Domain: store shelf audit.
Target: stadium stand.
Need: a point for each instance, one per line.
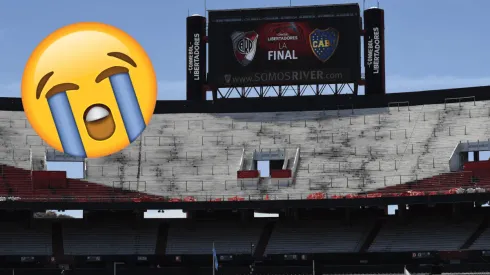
(109, 238)
(384, 145)
(336, 243)
(228, 238)
(424, 233)
(339, 152)
(483, 242)
(23, 239)
(349, 234)
(431, 232)
(317, 237)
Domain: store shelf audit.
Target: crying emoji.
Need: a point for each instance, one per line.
(89, 90)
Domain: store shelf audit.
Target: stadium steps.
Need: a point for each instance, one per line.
(161, 242)
(264, 239)
(245, 128)
(57, 239)
(372, 235)
(477, 233)
(416, 137)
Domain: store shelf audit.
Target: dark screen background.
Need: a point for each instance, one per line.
(222, 60)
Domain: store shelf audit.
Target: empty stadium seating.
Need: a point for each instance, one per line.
(317, 237)
(427, 233)
(483, 242)
(21, 239)
(425, 229)
(198, 238)
(342, 151)
(109, 238)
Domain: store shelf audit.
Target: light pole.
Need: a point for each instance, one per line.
(115, 264)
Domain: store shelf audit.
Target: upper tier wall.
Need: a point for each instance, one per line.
(345, 150)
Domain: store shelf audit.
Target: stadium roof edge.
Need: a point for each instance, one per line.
(302, 103)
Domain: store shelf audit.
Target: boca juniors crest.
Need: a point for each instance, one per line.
(244, 46)
(324, 42)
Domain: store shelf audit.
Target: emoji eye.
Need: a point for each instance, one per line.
(110, 72)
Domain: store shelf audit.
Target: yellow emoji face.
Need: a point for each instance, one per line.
(89, 90)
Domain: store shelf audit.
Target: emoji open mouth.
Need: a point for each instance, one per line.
(99, 122)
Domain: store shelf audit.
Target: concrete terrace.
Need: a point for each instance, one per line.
(343, 151)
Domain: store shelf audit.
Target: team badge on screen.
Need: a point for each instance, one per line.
(244, 46)
(324, 42)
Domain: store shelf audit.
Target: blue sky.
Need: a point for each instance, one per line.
(429, 44)
(432, 44)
